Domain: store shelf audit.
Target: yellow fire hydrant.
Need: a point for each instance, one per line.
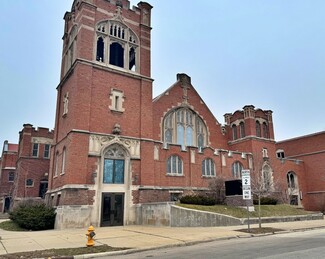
(90, 236)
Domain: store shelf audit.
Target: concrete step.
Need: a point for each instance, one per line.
(4, 216)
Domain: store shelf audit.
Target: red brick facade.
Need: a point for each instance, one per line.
(33, 162)
(7, 174)
(310, 150)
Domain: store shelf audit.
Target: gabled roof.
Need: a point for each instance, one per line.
(185, 77)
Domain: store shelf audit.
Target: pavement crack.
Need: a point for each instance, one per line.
(150, 234)
(4, 248)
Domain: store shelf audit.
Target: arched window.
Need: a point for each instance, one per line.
(184, 127)
(265, 130)
(69, 50)
(242, 130)
(208, 168)
(293, 188)
(43, 188)
(174, 165)
(291, 180)
(63, 160)
(237, 167)
(201, 132)
(56, 169)
(114, 165)
(234, 132)
(117, 45)
(116, 57)
(100, 50)
(169, 128)
(267, 178)
(258, 129)
(132, 58)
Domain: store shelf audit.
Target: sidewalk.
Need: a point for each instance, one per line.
(135, 237)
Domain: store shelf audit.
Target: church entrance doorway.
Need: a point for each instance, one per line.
(112, 209)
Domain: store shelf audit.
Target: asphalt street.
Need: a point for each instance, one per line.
(307, 244)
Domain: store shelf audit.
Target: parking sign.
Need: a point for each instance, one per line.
(246, 184)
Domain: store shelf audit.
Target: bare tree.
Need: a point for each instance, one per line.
(217, 187)
(262, 181)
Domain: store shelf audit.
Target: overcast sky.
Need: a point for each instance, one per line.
(270, 54)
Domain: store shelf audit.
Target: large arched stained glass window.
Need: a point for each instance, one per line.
(184, 127)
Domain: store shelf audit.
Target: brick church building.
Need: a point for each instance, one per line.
(114, 147)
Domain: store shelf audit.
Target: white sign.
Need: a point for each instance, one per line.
(246, 184)
(246, 178)
(247, 195)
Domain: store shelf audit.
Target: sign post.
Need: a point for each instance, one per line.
(247, 194)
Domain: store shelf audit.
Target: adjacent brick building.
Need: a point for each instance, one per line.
(310, 151)
(33, 162)
(7, 174)
(25, 166)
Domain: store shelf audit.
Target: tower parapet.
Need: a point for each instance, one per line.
(250, 122)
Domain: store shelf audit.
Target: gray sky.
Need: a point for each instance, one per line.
(270, 54)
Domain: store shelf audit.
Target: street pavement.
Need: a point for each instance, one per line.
(137, 238)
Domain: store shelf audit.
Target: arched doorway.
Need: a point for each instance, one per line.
(114, 182)
(7, 204)
(293, 188)
(43, 188)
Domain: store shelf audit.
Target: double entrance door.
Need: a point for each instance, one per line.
(112, 209)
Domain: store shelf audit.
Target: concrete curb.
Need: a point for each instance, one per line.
(132, 251)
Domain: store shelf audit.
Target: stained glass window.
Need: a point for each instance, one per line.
(113, 171)
(174, 165)
(208, 168)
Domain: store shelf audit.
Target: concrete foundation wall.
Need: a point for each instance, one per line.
(168, 214)
(182, 217)
(154, 214)
(315, 216)
(73, 217)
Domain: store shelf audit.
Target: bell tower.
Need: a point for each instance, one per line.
(103, 114)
